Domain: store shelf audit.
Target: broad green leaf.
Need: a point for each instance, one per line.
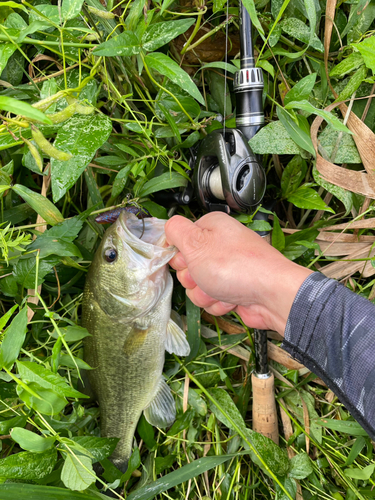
(13, 339)
(362, 474)
(291, 487)
(250, 7)
(347, 65)
(6, 317)
(273, 456)
(81, 136)
(24, 491)
(367, 50)
(126, 44)
(159, 34)
(99, 447)
(352, 86)
(155, 209)
(329, 117)
(31, 441)
(273, 139)
(6, 425)
(24, 109)
(24, 271)
(133, 464)
(301, 90)
(146, 431)
(71, 9)
(193, 317)
(293, 175)
(6, 50)
(47, 15)
(27, 465)
(300, 466)
(40, 204)
(294, 399)
(8, 286)
(77, 473)
(307, 197)
(72, 333)
(344, 426)
(344, 146)
(218, 5)
(45, 401)
(218, 100)
(264, 64)
(120, 180)
(295, 244)
(182, 422)
(345, 196)
(354, 15)
(278, 238)
(230, 68)
(296, 133)
(167, 67)
(356, 449)
(163, 181)
(50, 245)
(13, 5)
(33, 372)
(298, 29)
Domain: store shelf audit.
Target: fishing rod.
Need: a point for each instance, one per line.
(228, 176)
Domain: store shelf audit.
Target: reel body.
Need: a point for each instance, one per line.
(227, 174)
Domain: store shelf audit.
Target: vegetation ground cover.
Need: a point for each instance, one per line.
(100, 105)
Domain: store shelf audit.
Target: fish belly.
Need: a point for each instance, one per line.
(127, 361)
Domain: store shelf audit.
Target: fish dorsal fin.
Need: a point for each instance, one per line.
(176, 341)
(161, 412)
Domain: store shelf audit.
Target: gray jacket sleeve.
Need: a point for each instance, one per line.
(331, 330)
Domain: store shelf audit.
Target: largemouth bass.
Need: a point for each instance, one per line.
(126, 309)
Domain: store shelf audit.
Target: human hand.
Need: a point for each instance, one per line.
(225, 266)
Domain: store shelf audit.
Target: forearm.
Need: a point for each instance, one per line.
(331, 330)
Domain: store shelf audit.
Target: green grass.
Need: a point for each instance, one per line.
(111, 93)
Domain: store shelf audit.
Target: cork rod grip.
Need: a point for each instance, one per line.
(264, 407)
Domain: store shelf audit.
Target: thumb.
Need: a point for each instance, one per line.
(185, 235)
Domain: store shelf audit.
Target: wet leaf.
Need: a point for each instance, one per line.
(300, 466)
(293, 175)
(299, 30)
(41, 399)
(126, 44)
(27, 465)
(345, 196)
(80, 136)
(347, 65)
(71, 8)
(274, 139)
(161, 33)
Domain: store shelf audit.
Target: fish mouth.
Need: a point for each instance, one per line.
(144, 236)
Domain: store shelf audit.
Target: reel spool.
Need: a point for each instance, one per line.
(227, 175)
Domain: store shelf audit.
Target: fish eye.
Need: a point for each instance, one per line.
(110, 255)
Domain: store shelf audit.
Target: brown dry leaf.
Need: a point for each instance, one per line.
(287, 426)
(330, 249)
(42, 57)
(344, 269)
(364, 138)
(330, 396)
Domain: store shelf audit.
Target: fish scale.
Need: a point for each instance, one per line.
(129, 332)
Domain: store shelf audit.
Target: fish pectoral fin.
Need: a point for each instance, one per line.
(176, 341)
(161, 412)
(135, 339)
